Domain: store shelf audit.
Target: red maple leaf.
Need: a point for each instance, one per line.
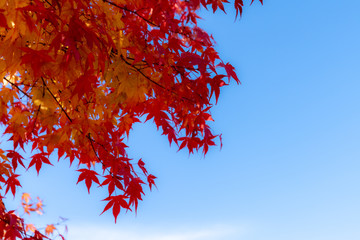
(151, 181)
(141, 165)
(16, 158)
(112, 182)
(36, 59)
(116, 202)
(230, 71)
(85, 84)
(89, 176)
(38, 159)
(134, 191)
(11, 183)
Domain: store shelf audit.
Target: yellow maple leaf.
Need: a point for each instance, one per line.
(26, 197)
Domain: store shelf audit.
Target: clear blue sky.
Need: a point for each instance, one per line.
(290, 165)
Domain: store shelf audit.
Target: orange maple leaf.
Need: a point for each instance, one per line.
(50, 229)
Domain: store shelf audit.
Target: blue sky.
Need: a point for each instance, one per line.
(289, 167)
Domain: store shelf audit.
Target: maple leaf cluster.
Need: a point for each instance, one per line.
(14, 227)
(77, 74)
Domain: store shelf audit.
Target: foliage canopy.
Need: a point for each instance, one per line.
(77, 74)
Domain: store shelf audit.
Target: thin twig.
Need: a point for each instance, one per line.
(17, 87)
(62, 109)
(152, 81)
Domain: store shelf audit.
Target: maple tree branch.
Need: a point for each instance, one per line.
(93, 148)
(139, 70)
(99, 159)
(52, 95)
(150, 22)
(88, 136)
(152, 81)
(172, 66)
(17, 87)
(36, 116)
(48, 2)
(68, 117)
(131, 11)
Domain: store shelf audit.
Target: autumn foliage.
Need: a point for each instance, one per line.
(77, 74)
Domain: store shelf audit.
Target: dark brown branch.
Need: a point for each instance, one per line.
(62, 109)
(131, 11)
(148, 21)
(88, 136)
(17, 87)
(152, 81)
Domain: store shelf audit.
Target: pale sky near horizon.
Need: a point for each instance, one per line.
(290, 165)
